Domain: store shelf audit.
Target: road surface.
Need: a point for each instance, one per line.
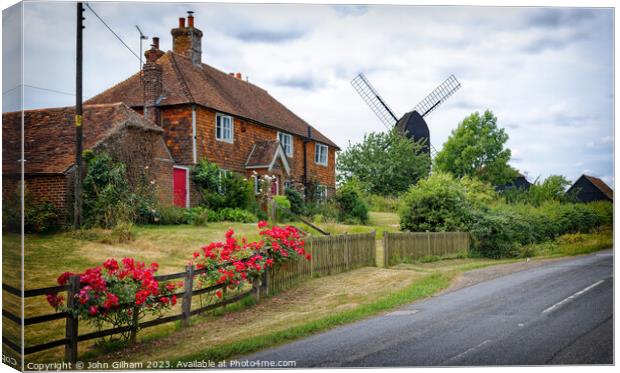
(559, 313)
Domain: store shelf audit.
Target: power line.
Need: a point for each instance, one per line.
(41, 88)
(112, 31)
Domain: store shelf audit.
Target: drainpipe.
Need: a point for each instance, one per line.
(194, 155)
(306, 141)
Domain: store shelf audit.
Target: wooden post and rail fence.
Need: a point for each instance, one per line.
(329, 255)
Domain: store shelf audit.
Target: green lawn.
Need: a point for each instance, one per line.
(311, 307)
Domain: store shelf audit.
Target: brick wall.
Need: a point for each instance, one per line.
(146, 157)
(177, 124)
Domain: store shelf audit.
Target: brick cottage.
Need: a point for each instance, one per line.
(194, 110)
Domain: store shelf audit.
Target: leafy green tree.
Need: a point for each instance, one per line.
(477, 148)
(437, 204)
(386, 163)
(553, 188)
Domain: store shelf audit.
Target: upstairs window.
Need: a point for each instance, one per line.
(287, 143)
(320, 154)
(224, 128)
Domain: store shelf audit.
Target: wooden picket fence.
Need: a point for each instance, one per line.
(329, 255)
(411, 246)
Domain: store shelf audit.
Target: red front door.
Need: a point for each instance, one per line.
(180, 187)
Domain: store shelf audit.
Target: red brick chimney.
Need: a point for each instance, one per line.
(187, 40)
(152, 80)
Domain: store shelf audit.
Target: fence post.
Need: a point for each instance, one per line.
(347, 247)
(428, 236)
(386, 250)
(71, 327)
(264, 284)
(134, 325)
(312, 260)
(187, 295)
(373, 251)
(272, 211)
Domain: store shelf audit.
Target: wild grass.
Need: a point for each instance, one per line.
(571, 244)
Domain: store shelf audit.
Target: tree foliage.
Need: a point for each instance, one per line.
(553, 188)
(477, 148)
(386, 163)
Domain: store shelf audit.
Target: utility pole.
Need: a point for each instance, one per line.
(77, 209)
(142, 38)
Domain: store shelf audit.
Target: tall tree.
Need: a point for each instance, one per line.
(477, 148)
(385, 163)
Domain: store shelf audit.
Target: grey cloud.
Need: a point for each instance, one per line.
(268, 36)
(308, 83)
(350, 10)
(571, 120)
(553, 17)
(553, 42)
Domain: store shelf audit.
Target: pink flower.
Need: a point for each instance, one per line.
(262, 224)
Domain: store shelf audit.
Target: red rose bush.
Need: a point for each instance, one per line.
(117, 293)
(235, 263)
(123, 293)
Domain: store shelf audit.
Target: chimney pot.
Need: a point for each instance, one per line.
(238, 76)
(190, 19)
(155, 42)
(181, 22)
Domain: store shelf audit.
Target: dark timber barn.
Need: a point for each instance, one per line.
(590, 188)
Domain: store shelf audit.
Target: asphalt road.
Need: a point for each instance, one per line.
(559, 313)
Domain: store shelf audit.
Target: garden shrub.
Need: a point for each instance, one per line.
(199, 216)
(328, 210)
(381, 203)
(352, 209)
(121, 233)
(236, 215)
(298, 205)
(283, 205)
(438, 203)
(604, 210)
(40, 215)
(492, 235)
(172, 215)
(107, 197)
(222, 189)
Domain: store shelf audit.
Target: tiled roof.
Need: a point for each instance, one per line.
(185, 82)
(600, 184)
(262, 153)
(49, 134)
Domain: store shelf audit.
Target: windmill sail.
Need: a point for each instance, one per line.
(368, 93)
(437, 96)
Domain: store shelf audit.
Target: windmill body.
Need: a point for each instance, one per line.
(412, 124)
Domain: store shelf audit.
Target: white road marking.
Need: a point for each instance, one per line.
(403, 312)
(468, 351)
(566, 300)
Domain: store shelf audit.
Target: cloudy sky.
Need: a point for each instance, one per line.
(547, 73)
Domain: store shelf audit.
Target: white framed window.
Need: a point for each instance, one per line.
(287, 143)
(320, 154)
(224, 128)
(256, 184)
(288, 184)
(221, 175)
(321, 193)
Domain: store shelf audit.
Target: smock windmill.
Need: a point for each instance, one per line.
(412, 124)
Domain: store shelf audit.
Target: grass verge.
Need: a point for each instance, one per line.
(425, 287)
